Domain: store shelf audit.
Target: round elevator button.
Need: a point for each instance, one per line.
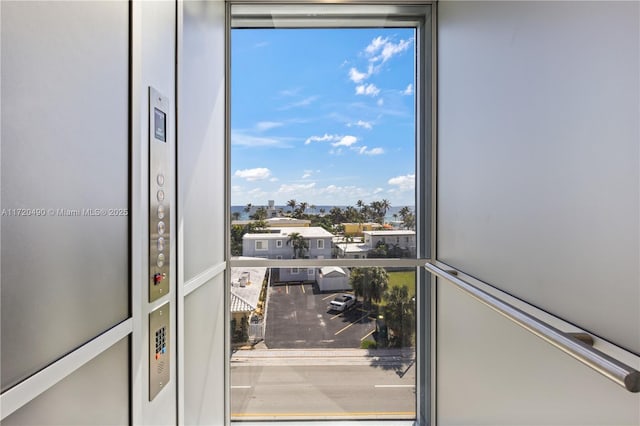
(160, 179)
(160, 244)
(160, 261)
(160, 212)
(161, 195)
(161, 227)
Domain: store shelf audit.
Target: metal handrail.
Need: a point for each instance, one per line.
(620, 373)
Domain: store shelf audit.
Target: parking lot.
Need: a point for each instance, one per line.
(297, 318)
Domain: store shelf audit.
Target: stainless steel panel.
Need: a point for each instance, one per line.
(160, 193)
(95, 394)
(64, 165)
(159, 349)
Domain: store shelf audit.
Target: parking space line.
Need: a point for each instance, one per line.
(302, 287)
(394, 386)
(336, 316)
(343, 329)
(368, 334)
(330, 296)
(287, 288)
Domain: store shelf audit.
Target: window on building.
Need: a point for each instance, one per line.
(262, 245)
(329, 114)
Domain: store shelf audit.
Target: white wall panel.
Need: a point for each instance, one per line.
(538, 194)
(201, 137)
(204, 357)
(539, 159)
(65, 157)
(492, 372)
(96, 394)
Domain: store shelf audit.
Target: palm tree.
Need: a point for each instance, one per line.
(400, 315)
(292, 203)
(298, 243)
(235, 216)
(384, 206)
(247, 208)
(370, 283)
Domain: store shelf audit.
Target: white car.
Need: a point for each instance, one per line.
(342, 303)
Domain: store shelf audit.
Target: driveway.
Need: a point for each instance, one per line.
(298, 318)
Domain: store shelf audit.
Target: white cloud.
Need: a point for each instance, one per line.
(357, 76)
(381, 49)
(375, 45)
(243, 139)
(346, 141)
(325, 138)
(380, 102)
(373, 151)
(290, 92)
(364, 124)
(378, 190)
(368, 90)
(273, 179)
(306, 175)
(259, 173)
(295, 187)
(301, 103)
(267, 125)
(404, 183)
(408, 90)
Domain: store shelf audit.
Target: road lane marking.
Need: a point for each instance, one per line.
(340, 331)
(394, 386)
(332, 414)
(368, 334)
(240, 387)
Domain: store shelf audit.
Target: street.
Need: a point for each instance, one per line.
(307, 384)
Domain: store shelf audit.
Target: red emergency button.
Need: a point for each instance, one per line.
(157, 278)
(157, 356)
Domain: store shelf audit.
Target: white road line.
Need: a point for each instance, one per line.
(240, 387)
(394, 386)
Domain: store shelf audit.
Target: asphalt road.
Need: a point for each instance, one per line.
(322, 388)
(298, 318)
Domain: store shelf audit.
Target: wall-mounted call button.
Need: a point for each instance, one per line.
(160, 261)
(161, 227)
(161, 195)
(160, 244)
(160, 179)
(161, 212)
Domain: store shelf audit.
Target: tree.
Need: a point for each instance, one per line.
(408, 218)
(260, 214)
(400, 316)
(235, 215)
(292, 203)
(247, 208)
(298, 243)
(369, 283)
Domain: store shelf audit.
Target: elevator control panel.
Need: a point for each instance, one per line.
(159, 195)
(159, 373)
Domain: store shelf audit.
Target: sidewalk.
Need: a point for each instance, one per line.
(323, 356)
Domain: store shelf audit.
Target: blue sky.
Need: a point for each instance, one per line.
(324, 116)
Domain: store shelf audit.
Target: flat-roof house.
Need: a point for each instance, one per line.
(277, 245)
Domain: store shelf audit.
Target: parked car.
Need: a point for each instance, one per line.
(342, 303)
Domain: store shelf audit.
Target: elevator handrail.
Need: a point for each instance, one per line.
(620, 373)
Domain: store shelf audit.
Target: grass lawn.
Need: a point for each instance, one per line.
(403, 279)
